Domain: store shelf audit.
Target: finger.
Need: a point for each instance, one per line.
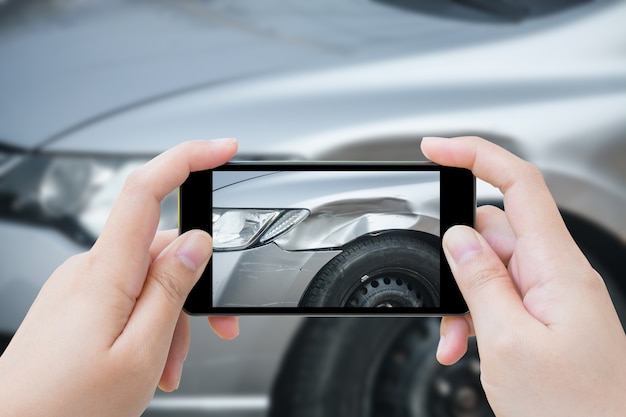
(170, 379)
(125, 241)
(171, 277)
(528, 203)
(224, 326)
(492, 224)
(161, 240)
(484, 282)
(454, 333)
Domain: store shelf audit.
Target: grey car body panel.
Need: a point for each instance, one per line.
(72, 52)
(266, 276)
(34, 253)
(538, 109)
(220, 181)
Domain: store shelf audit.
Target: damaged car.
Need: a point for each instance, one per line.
(338, 239)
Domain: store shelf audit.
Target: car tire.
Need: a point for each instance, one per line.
(379, 271)
(375, 367)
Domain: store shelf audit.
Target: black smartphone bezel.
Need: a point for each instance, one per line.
(457, 206)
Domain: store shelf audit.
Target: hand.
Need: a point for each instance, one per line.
(107, 326)
(549, 339)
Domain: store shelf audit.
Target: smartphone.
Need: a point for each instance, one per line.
(327, 238)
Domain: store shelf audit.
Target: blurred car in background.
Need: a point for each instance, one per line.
(89, 90)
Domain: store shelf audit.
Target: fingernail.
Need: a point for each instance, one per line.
(223, 140)
(179, 375)
(462, 243)
(195, 250)
(442, 342)
(433, 139)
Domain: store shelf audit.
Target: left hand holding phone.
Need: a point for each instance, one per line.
(107, 326)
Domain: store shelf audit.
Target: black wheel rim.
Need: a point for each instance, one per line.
(391, 287)
(410, 383)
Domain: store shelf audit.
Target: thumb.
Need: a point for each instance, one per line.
(176, 270)
(170, 278)
(484, 281)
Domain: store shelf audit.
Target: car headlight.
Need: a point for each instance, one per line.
(236, 229)
(71, 193)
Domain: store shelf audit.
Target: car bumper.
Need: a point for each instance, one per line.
(267, 276)
(29, 255)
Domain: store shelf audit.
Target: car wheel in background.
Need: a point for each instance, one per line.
(375, 367)
(379, 271)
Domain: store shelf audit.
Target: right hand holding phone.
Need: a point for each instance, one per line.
(549, 338)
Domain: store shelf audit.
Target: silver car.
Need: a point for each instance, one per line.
(91, 89)
(326, 239)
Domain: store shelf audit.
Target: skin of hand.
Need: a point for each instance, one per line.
(107, 327)
(549, 339)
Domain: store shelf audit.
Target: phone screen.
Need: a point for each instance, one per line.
(327, 238)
